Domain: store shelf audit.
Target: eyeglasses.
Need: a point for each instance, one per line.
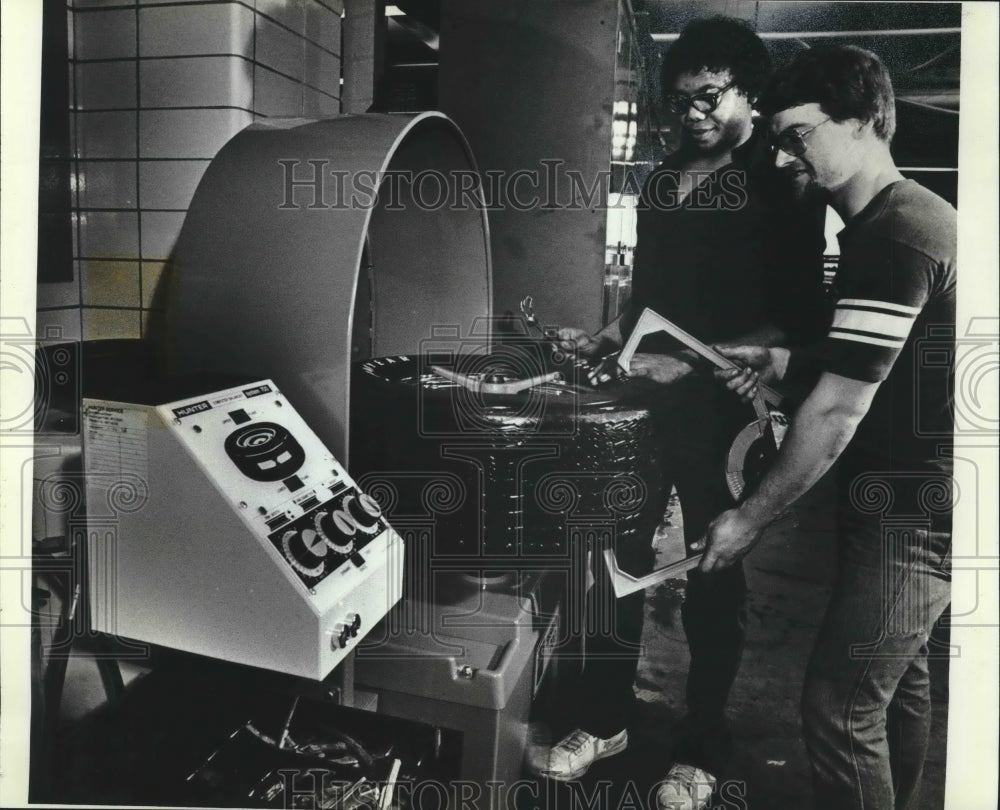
(679, 103)
(792, 141)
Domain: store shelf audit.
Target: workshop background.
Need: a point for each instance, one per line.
(138, 97)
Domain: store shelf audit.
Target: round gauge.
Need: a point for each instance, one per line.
(265, 451)
(304, 551)
(336, 531)
(363, 511)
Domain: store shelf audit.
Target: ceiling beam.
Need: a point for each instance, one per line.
(895, 32)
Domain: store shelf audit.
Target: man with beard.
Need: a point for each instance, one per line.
(724, 253)
(887, 418)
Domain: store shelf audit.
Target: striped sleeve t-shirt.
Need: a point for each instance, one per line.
(873, 322)
(894, 323)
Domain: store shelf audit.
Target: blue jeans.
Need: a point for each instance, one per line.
(866, 708)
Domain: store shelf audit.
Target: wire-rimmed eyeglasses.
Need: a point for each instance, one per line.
(792, 141)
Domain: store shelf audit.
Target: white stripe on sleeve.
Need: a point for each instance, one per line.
(874, 341)
(879, 323)
(862, 302)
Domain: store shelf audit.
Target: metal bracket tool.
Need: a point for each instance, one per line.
(651, 322)
(769, 427)
(625, 584)
(745, 443)
(481, 384)
(498, 384)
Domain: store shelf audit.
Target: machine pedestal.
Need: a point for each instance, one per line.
(474, 666)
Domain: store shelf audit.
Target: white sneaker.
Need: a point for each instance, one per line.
(685, 787)
(574, 754)
(537, 747)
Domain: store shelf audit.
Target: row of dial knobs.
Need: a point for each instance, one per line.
(332, 531)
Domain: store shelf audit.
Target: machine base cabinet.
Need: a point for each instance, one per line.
(475, 666)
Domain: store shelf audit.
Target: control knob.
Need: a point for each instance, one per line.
(364, 511)
(336, 530)
(340, 637)
(304, 551)
(344, 631)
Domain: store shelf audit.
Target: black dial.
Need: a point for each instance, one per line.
(336, 530)
(363, 511)
(305, 551)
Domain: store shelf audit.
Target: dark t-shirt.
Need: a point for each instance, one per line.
(736, 254)
(895, 323)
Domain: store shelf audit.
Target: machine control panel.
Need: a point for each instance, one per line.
(251, 543)
(280, 477)
(329, 533)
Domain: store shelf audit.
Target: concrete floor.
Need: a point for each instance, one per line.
(790, 574)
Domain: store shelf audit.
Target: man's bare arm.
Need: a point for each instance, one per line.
(663, 368)
(822, 428)
(668, 368)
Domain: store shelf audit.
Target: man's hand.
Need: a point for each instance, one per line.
(759, 364)
(661, 368)
(729, 538)
(572, 339)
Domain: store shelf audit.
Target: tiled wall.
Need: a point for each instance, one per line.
(156, 88)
